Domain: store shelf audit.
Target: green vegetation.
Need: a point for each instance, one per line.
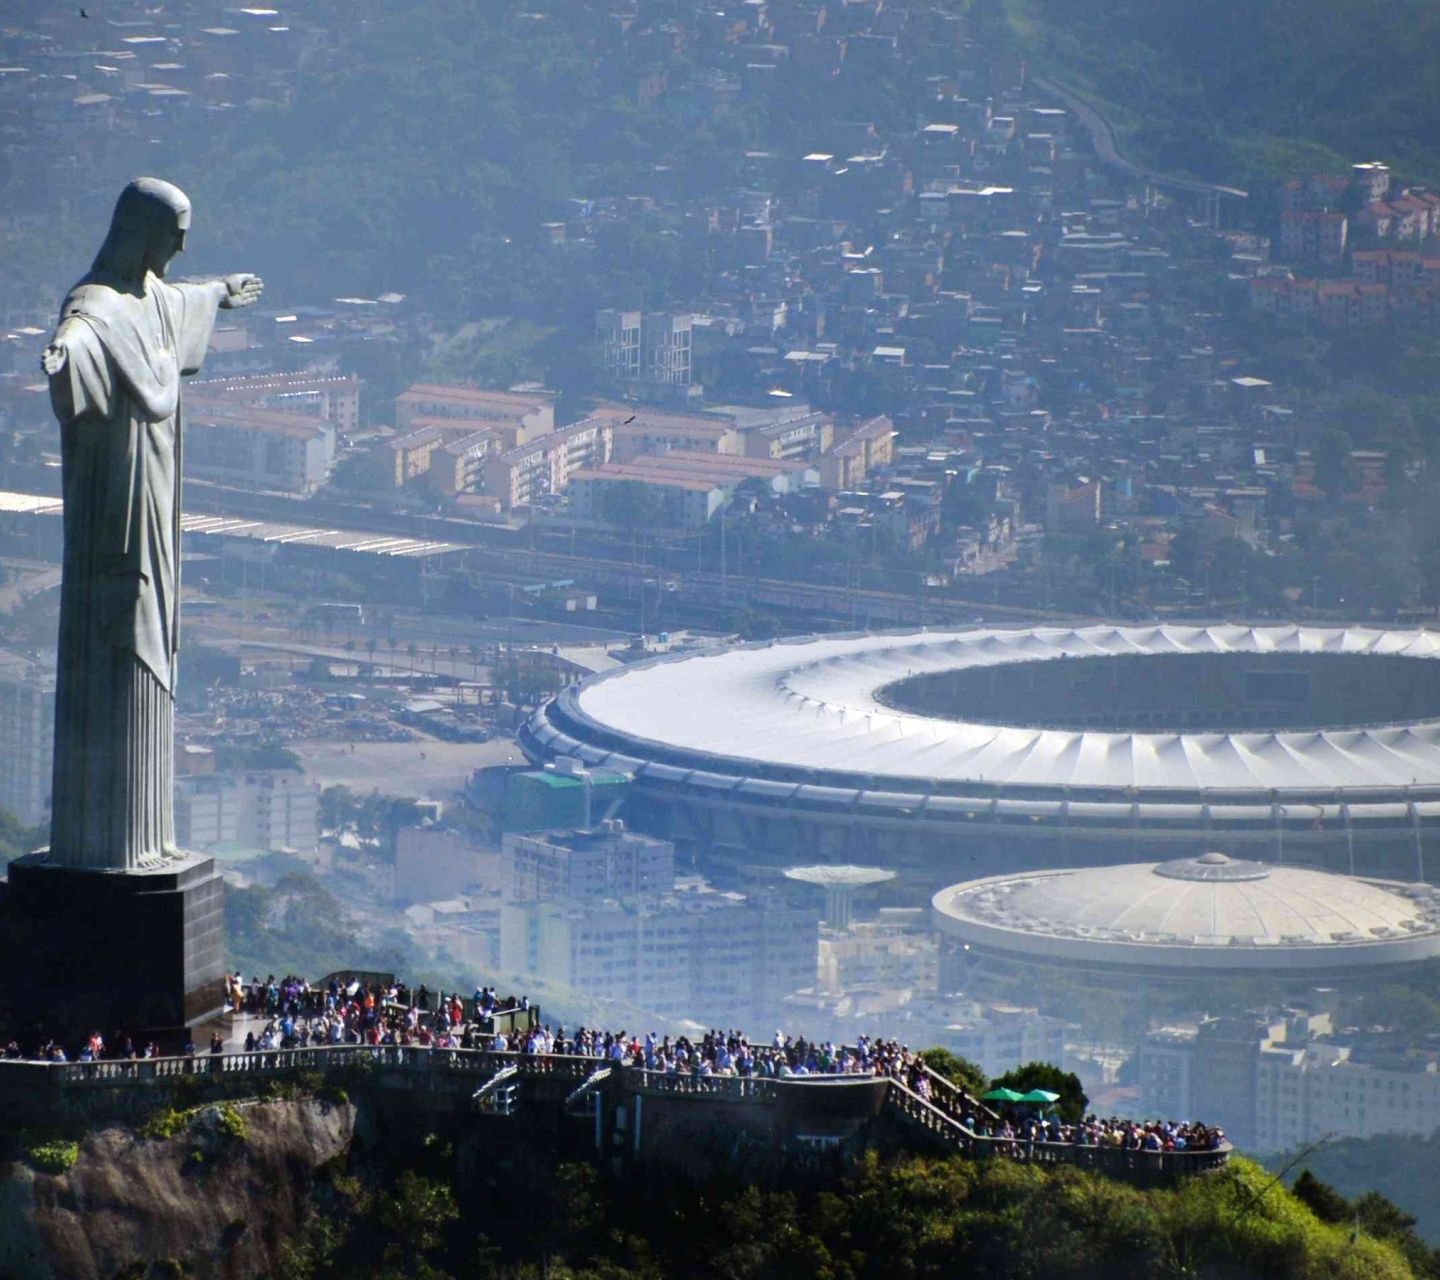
(1042, 1075)
(16, 838)
(959, 1071)
(1406, 1170)
(54, 1157)
(1239, 89)
(230, 1123)
(494, 353)
(1372, 1213)
(166, 1123)
(370, 817)
(912, 1217)
(298, 926)
(629, 504)
(230, 759)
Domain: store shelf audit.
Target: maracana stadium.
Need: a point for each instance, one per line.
(970, 753)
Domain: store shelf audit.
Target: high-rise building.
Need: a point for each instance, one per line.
(587, 866)
(27, 737)
(257, 809)
(602, 911)
(697, 954)
(651, 346)
(1279, 1085)
(618, 333)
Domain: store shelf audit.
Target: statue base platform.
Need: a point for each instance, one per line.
(139, 952)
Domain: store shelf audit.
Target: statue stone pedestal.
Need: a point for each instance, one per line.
(140, 952)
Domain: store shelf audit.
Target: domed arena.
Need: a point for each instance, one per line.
(980, 751)
(1194, 919)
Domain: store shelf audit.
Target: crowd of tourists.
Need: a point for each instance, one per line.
(292, 1013)
(1113, 1133)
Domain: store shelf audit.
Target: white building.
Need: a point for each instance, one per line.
(1276, 1086)
(259, 448)
(333, 397)
(258, 809)
(521, 476)
(515, 416)
(695, 954)
(27, 738)
(587, 866)
(601, 911)
(645, 347)
(894, 952)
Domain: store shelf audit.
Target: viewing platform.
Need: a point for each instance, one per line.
(632, 1115)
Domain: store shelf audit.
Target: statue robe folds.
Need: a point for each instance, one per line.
(118, 401)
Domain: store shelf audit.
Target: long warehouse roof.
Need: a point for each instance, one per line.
(262, 530)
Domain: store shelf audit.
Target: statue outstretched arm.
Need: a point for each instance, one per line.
(241, 290)
(200, 302)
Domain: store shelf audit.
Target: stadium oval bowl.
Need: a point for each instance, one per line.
(993, 748)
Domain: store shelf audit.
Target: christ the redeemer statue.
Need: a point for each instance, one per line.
(124, 340)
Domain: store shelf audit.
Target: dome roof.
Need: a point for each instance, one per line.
(1210, 912)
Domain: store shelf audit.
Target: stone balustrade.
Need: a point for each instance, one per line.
(460, 1070)
(1120, 1162)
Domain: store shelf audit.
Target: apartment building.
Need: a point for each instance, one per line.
(406, 457)
(602, 911)
(795, 435)
(1276, 1085)
(258, 448)
(586, 866)
(520, 477)
(1308, 235)
(639, 431)
(1001, 1037)
(458, 466)
(27, 737)
(869, 448)
(333, 398)
(652, 346)
(515, 417)
(256, 809)
(695, 953)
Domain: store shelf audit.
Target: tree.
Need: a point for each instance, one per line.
(1333, 471)
(961, 1072)
(630, 504)
(1395, 1006)
(16, 838)
(1047, 1076)
(1320, 1198)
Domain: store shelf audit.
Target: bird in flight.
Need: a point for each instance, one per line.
(83, 14)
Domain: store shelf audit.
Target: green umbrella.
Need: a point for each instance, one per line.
(1002, 1095)
(1039, 1095)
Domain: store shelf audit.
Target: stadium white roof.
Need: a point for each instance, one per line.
(811, 704)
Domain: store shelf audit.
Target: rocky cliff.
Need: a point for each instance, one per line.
(219, 1191)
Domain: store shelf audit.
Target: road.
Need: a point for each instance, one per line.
(1102, 136)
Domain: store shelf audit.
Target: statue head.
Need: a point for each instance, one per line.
(147, 229)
